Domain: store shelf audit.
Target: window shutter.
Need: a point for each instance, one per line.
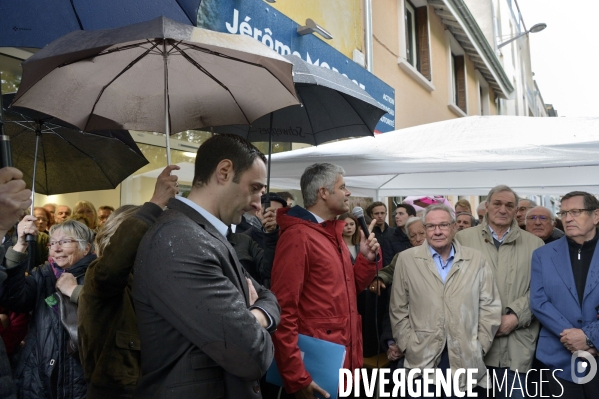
(460, 81)
(424, 57)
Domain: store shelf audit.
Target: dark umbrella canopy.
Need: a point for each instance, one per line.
(115, 79)
(35, 23)
(69, 160)
(332, 107)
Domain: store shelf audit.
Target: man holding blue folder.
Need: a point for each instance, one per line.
(314, 280)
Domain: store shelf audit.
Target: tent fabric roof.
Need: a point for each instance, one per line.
(465, 156)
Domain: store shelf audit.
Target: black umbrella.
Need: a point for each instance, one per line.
(68, 160)
(332, 107)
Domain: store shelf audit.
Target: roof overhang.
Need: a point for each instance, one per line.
(460, 22)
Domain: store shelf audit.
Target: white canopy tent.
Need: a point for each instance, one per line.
(465, 156)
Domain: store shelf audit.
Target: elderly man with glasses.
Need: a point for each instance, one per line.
(564, 297)
(540, 222)
(523, 206)
(445, 307)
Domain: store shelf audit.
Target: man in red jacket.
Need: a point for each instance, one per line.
(314, 280)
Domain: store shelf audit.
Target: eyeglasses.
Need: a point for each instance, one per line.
(62, 242)
(542, 218)
(573, 212)
(442, 226)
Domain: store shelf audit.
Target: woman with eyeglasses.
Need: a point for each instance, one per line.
(45, 368)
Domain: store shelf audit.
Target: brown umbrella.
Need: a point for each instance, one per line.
(159, 75)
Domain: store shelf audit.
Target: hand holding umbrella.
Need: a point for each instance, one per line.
(14, 198)
(166, 186)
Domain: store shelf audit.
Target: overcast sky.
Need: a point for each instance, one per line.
(565, 55)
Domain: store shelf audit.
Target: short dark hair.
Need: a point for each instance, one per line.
(286, 195)
(374, 205)
(273, 197)
(410, 210)
(472, 219)
(239, 151)
(588, 200)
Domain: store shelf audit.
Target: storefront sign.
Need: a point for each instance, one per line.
(259, 20)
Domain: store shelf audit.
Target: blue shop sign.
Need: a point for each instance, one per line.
(259, 20)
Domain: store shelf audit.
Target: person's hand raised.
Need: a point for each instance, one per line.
(166, 186)
(25, 227)
(15, 198)
(369, 247)
(269, 220)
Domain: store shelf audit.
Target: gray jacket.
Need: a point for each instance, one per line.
(198, 337)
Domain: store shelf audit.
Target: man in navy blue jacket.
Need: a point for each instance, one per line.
(564, 296)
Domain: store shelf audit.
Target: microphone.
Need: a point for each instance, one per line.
(358, 212)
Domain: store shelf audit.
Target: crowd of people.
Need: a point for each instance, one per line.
(194, 296)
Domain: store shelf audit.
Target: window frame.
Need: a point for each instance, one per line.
(418, 64)
(412, 48)
(457, 77)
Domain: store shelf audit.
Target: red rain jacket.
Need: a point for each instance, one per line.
(316, 286)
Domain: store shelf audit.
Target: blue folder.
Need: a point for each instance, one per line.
(322, 360)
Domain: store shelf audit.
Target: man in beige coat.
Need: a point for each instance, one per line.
(508, 249)
(445, 307)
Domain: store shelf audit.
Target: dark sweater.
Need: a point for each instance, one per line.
(384, 239)
(556, 234)
(580, 258)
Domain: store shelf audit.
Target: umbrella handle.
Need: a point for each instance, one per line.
(5, 154)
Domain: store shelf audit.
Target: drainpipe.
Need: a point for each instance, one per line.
(368, 34)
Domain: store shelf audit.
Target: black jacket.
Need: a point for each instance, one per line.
(399, 242)
(44, 370)
(556, 234)
(384, 238)
(7, 386)
(254, 258)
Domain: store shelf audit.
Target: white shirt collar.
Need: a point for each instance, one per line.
(318, 218)
(213, 220)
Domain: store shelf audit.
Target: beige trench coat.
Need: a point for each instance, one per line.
(511, 265)
(426, 314)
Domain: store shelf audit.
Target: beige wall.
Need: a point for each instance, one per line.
(98, 198)
(342, 18)
(416, 105)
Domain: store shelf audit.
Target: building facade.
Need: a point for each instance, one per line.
(423, 60)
